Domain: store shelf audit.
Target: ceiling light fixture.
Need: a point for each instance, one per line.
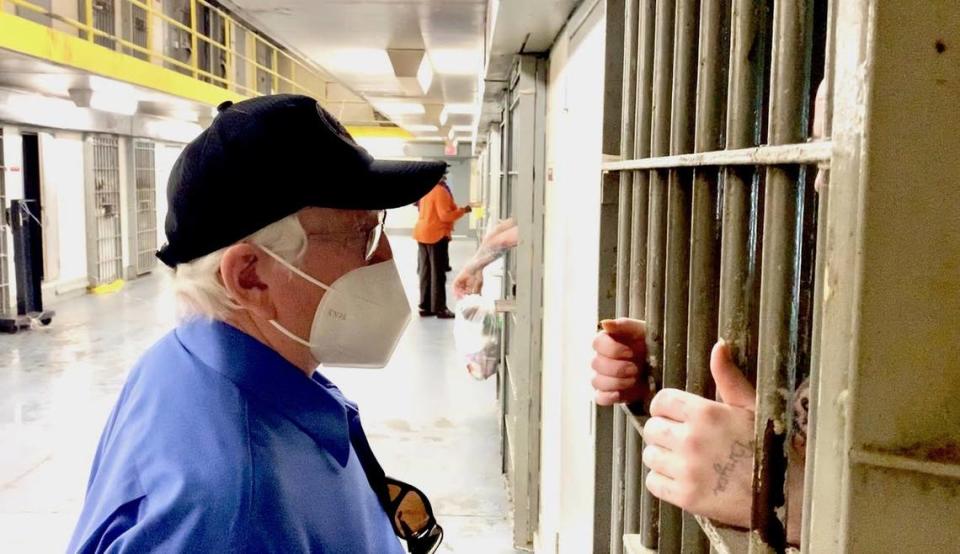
(425, 75)
(174, 131)
(458, 109)
(417, 128)
(399, 108)
(122, 105)
(452, 61)
(358, 61)
(113, 101)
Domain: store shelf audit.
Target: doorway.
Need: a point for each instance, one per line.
(32, 195)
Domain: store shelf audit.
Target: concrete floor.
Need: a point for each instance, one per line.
(430, 423)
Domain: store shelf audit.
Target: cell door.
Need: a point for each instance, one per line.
(104, 19)
(145, 171)
(522, 198)
(106, 262)
(136, 30)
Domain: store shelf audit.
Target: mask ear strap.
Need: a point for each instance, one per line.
(294, 269)
(290, 335)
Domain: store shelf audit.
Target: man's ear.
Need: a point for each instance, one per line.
(244, 269)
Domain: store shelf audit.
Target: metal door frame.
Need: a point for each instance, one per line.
(523, 144)
(5, 288)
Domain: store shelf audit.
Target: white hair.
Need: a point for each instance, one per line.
(198, 286)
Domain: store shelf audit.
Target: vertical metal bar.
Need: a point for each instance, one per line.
(194, 53)
(677, 264)
(148, 22)
(628, 106)
(275, 66)
(778, 291)
(705, 226)
(657, 210)
(230, 54)
(606, 276)
(88, 16)
(747, 60)
(635, 493)
(648, 508)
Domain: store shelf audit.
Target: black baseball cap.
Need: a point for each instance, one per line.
(268, 157)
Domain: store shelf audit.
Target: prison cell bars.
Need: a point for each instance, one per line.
(106, 194)
(669, 203)
(145, 184)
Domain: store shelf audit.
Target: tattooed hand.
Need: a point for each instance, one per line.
(700, 452)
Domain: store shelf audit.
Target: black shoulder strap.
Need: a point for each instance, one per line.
(371, 467)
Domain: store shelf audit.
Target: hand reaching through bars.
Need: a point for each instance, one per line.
(619, 366)
(700, 452)
(499, 239)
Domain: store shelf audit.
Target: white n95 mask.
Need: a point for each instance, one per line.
(360, 318)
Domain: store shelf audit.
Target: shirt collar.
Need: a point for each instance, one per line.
(314, 405)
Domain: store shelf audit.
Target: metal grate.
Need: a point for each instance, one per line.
(716, 225)
(266, 55)
(104, 19)
(4, 257)
(136, 29)
(212, 56)
(178, 41)
(106, 191)
(146, 189)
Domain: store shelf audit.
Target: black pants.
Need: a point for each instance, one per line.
(433, 262)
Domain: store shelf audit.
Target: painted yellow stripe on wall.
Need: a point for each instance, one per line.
(360, 131)
(26, 37)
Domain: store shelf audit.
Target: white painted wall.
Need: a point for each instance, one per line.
(65, 248)
(571, 258)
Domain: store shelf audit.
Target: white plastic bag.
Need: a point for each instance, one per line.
(476, 333)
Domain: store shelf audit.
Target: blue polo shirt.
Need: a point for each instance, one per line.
(218, 444)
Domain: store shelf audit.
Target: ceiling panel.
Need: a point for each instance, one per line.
(349, 39)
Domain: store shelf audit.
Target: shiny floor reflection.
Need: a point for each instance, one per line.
(430, 423)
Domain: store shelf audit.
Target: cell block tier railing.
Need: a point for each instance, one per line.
(194, 37)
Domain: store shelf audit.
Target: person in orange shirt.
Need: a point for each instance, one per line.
(438, 213)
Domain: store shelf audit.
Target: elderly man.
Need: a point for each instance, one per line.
(225, 438)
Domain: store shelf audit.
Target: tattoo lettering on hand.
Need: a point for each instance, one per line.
(739, 451)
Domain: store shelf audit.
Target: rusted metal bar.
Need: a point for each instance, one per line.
(779, 276)
(746, 68)
(628, 115)
(677, 292)
(705, 226)
(639, 516)
(656, 230)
